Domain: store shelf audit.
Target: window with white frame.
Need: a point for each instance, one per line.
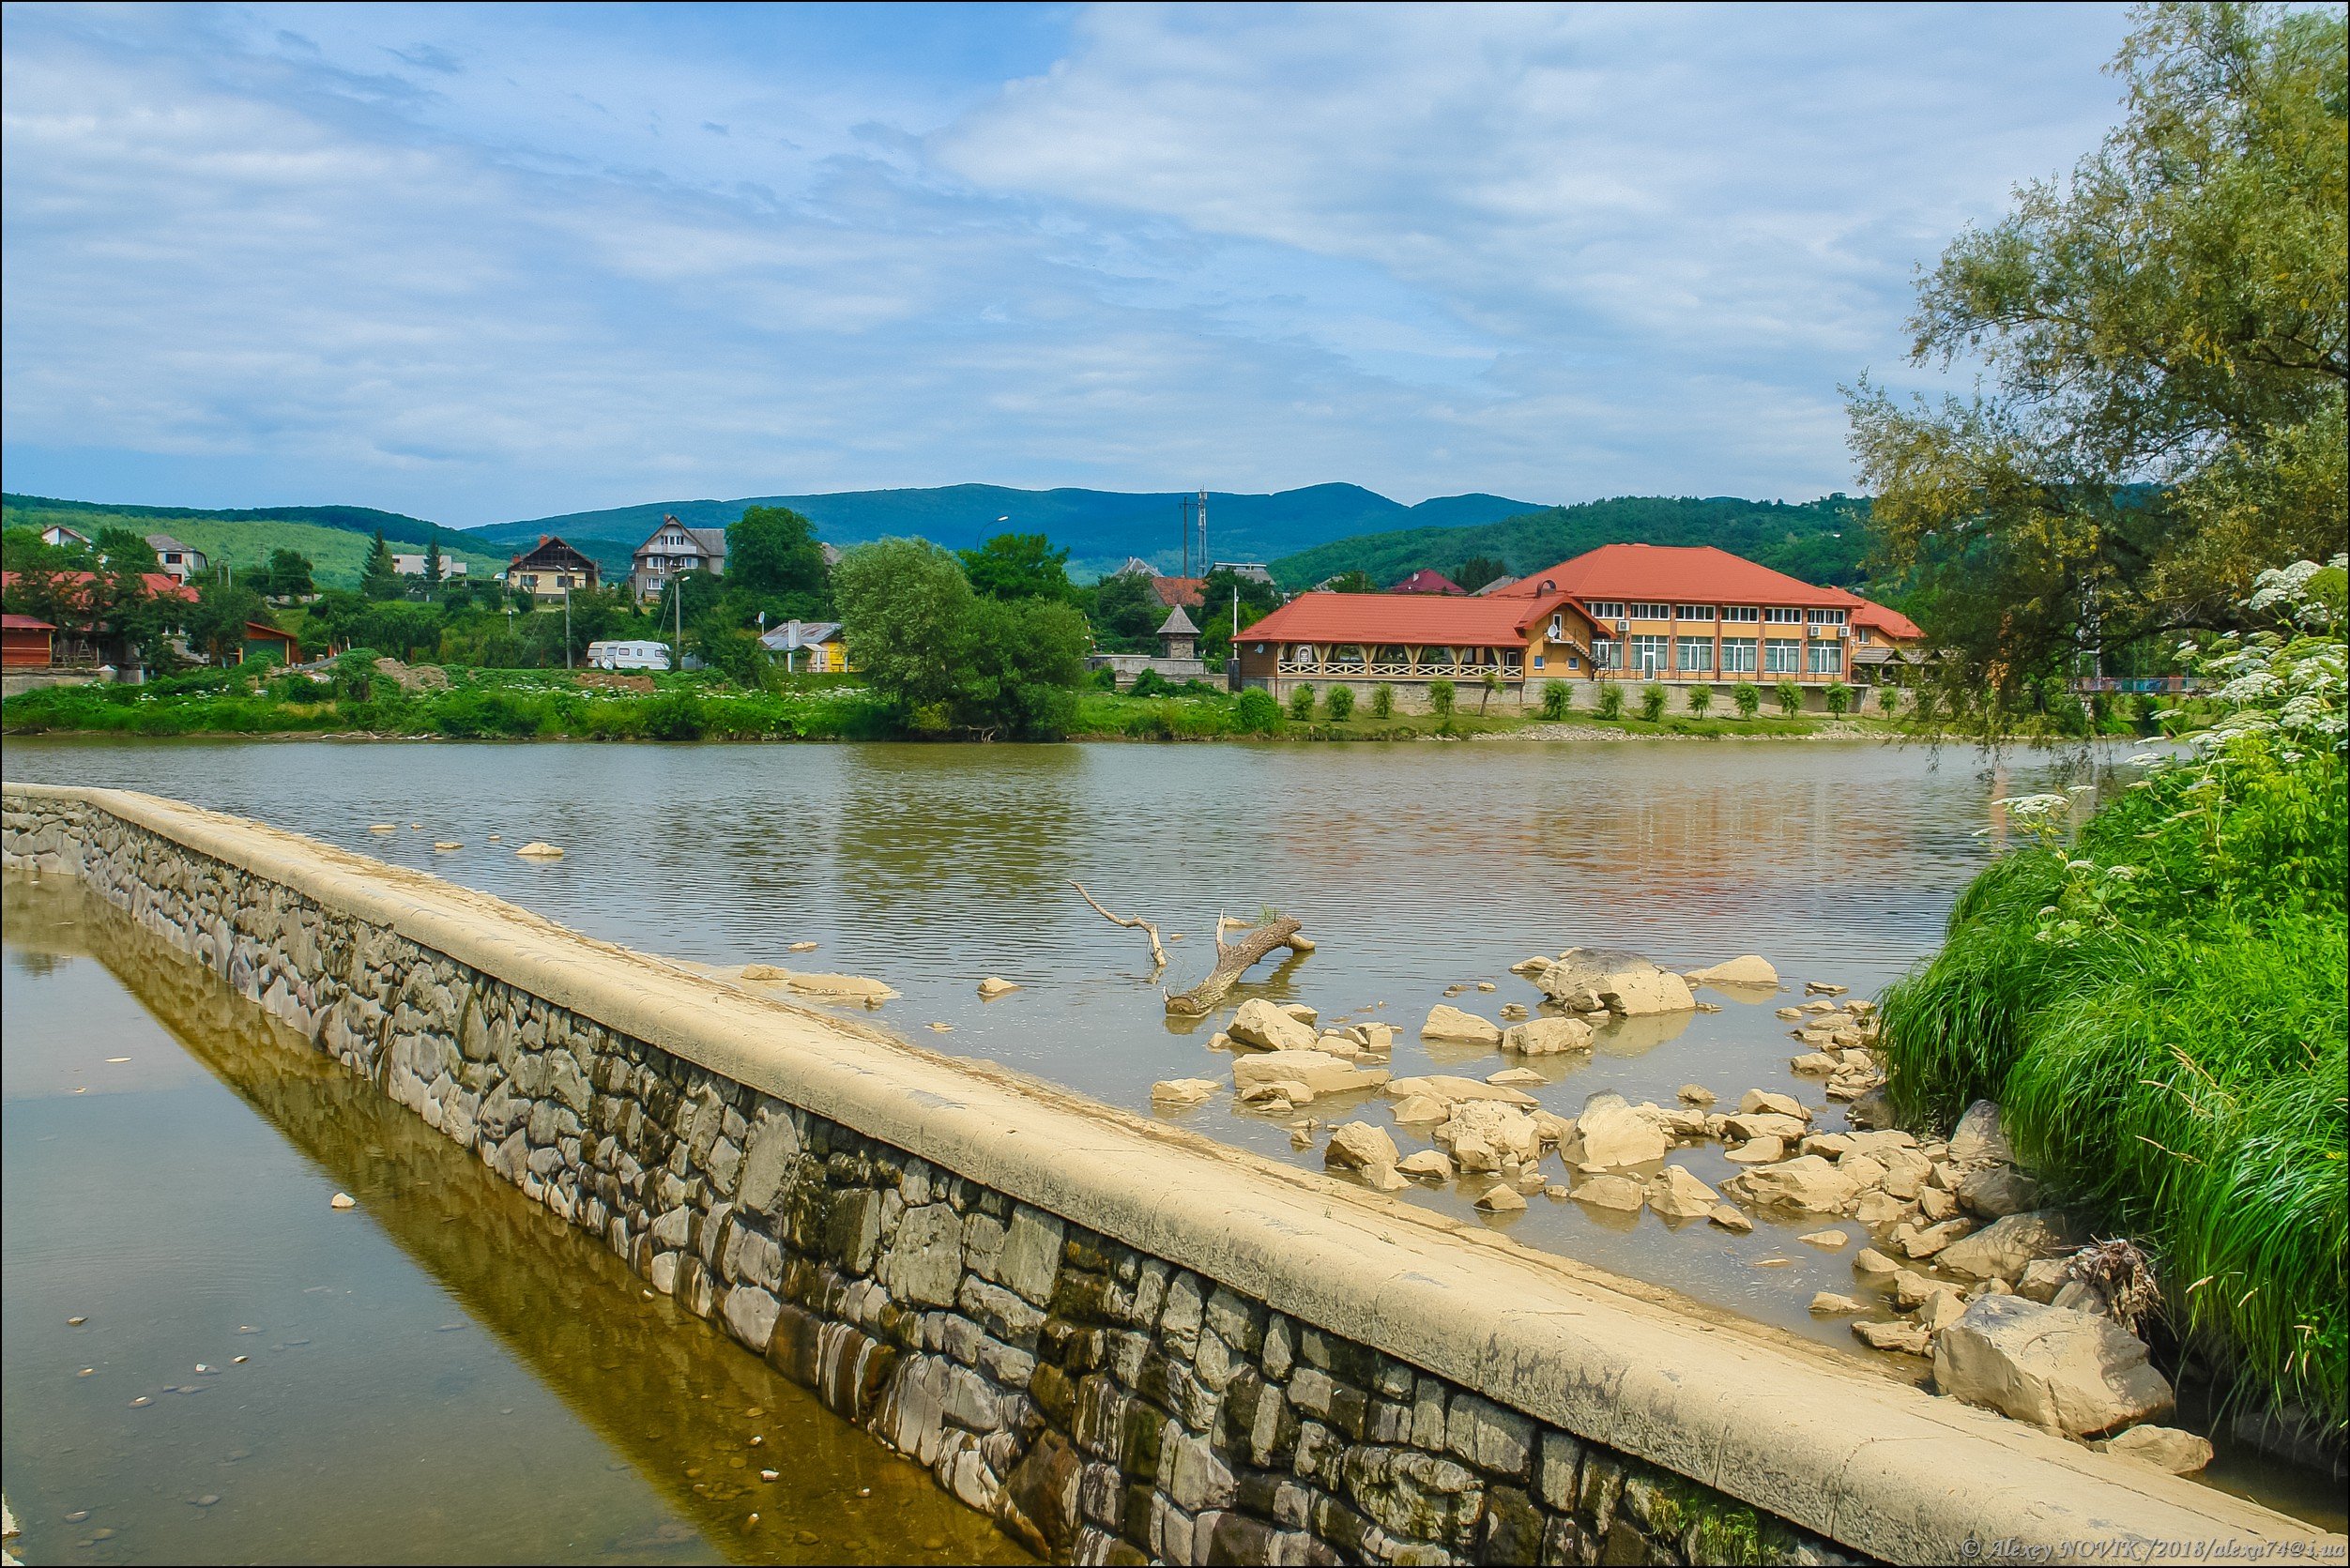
(1607, 609)
(1827, 658)
(1693, 612)
(1742, 612)
(1606, 654)
(1649, 612)
(1652, 655)
(1737, 656)
(1692, 654)
(1782, 656)
(1783, 614)
(1558, 627)
(1824, 617)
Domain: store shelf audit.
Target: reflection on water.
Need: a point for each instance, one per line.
(1414, 867)
(447, 1373)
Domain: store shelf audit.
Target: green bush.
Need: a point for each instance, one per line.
(1254, 713)
(675, 716)
(1383, 701)
(1441, 698)
(2158, 1007)
(1149, 683)
(1840, 698)
(1340, 702)
(1748, 698)
(1790, 697)
(1611, 700)
(1557, 699)
(1302, 701)
(1701, 698)
(1889, 698)
(1653, 702)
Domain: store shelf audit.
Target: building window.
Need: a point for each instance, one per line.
(1827, 658)
(1782, 656)
(1606, 654)
(1693, 653)
(1652, 655)
(1558, 628)
(1742, 612)
(1607, 609)
(1781, 615)
(1693, 612)
(1305, 653)
(1824, 617)
(1737, 656)
(1649, 612)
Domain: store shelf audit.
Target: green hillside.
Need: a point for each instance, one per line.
(1820, 541)
(244, 540)
(1100, 528)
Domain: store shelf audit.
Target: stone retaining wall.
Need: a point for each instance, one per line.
(1123, 1343)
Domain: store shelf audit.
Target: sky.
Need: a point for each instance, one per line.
(476, 264)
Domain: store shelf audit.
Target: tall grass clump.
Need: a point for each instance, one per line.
(1611, 700)
(1556, 699)
(2157, 999)
(1340, 702)
(1383, 701)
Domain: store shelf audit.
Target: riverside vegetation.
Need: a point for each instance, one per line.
(2157, 1002)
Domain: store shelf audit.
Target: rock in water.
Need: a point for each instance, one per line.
(1827, 1304)
(539, 849)
(1728, 1218)
(1318, 1072)
(994, 986)
(343, 1200)
(1626, 983)
(1501, 1199)
(1678, 1195)
(1751, 970)
(1769, 1104)
(1806, 1182)
(1610, 1192)
(1694, 1094)
(1261, 1025)
(1181, 1094)
(1361, 1147)
(2165, 1447)
(1997, 1191)
(1906, 1337)
(1430, 1163)
(1609, 1132)
(1449, 1089)
(1547, 1037)
(1467, 1028)
(2078, 1374)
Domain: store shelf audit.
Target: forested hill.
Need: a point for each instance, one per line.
(1098, 528)
(39, 511)
(1820, 541)
(334, 538)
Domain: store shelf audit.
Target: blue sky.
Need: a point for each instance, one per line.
(482, 263)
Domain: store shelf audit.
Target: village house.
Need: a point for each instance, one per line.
(75, 642)
(674, 548)
(412, 565)
(1426, 581)
(1681, 616)
(178, 561)
(62, 538)
(813, 646)
(26, 643)
(551, 572)
(265, 643)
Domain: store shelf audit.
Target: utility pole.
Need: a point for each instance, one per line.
(1204, 531)
(567, 625)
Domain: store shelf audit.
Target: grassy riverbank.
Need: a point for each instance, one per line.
(2158, 1005)
(478, 704)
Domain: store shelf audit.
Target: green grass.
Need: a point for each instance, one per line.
(2169, 1046)
(336, 554)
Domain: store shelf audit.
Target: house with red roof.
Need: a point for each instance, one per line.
(1428, 580)
(1683, 616)
(78, 639)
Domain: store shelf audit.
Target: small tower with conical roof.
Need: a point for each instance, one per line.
(1178, 637)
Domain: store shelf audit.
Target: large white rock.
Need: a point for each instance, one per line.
(1679, 1195)
(2165, 1447)
(1996, 1191)
(1978, 1137)
(1450, 1090)
(1260, 1024)
(1773, 1103)
(1483, 1135)
(1807, 1182)
(1610, 1132)
(1182, 1093)
(2044, 1364)
(1449, 1023)
(1366, 1151)
(1763, 1124)
(1430, 1162)
(1622, 982)
(1547, 1037)
(1319, 1073)
(1610, 1192)
(2001, 1249)
(1751, 970)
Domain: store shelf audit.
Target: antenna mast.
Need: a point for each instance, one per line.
(1204, 530)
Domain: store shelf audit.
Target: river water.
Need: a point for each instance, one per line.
(1415, 868)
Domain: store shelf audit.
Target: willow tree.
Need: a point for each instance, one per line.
(2161, 346)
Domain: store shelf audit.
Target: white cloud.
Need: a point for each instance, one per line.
(480, 263)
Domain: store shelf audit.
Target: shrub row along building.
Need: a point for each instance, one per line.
(1678, 615)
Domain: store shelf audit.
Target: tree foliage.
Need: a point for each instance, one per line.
(774, 551)
(2164, 336)
(1018, 566)
(380, 578)
(947, 659)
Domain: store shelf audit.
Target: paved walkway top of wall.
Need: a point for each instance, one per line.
(1821, 1439)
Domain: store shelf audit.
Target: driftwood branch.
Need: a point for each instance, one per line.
(1158, 953)
(1232, 960)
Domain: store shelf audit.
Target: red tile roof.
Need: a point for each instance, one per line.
(24, 623)
(1426, 580)
(1869, 612)
(1688, 574)
(1173, 592)
(161, 585)
(1402, 618)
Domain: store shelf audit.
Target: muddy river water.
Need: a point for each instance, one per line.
(1415, 868)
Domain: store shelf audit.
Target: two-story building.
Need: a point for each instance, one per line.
(674, 548)
(551, 572)
(411, 564)
(175, 560)
(1678, 615)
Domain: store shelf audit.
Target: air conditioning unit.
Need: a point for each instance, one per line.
(1623, 627)
(1842, 633)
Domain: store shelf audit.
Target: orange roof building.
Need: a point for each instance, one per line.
(1680, 616)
